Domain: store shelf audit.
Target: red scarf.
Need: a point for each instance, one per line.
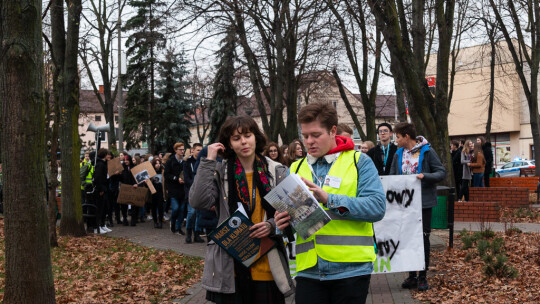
(343, 144)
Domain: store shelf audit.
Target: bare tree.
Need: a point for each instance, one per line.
(28, 270)
(406, 41)
(363, 44)
(525, 51)
(65, 48)
(96, 51)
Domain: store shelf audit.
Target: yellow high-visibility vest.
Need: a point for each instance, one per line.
(340, 240)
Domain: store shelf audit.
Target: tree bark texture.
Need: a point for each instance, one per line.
(28, 272)
(72, 221)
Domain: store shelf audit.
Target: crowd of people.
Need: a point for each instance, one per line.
(204, 186)
(174, 177)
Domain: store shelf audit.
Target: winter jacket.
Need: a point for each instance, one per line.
(173, 171)
(431, 167)
(488, 155)
(100, 176)
(457, 166)
(189, 174)
(479, 165)
(209, 189)
(465, 159)
(377, 155)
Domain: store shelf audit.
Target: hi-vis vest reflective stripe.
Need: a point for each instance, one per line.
(89, 176)
(340, 240)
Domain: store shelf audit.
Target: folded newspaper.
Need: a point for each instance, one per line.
(293, 196)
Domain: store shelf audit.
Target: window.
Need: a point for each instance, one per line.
(334, 103)
(98, 118)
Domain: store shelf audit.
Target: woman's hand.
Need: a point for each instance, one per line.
(282, 220)
(260, 230)
(213, 150)
(318, 192)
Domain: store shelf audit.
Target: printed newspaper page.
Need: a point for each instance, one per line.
(293, 196)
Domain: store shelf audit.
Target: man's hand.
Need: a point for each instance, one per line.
(181, 181)
(420, 176)
(260, 230)
(318, 192)
(282, 220)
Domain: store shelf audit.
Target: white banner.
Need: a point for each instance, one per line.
(399, 234)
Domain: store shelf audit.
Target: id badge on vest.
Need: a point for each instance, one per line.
(332, 181)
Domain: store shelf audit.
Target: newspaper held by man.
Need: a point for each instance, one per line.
(292, 195)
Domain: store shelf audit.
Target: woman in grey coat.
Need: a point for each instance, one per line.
(243, 178)
(466, 158)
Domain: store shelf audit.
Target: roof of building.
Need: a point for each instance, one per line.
(89, 103)
(385, 105)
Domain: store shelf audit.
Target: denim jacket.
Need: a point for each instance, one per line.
(369, 205)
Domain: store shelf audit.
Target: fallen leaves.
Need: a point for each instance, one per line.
(454, 280)
(97, 269)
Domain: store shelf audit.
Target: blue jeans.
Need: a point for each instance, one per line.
(478, 179)
(177, 213)
(192, 218)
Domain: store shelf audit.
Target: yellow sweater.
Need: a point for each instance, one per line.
(260, 271)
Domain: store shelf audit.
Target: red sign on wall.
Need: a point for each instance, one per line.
(431, 81)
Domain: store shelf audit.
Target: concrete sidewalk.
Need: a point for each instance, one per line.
(384, 288)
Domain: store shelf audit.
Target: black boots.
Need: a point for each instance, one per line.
(197, 238)
(188, 236)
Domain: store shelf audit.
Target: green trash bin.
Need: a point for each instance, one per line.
(439, 214)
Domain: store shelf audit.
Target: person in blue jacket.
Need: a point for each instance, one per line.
(415, 156)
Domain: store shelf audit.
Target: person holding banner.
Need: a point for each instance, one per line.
(243, 178)
(335, 264)
(415, 156)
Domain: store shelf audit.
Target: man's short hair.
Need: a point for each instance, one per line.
(195, 145)
(384, 124)
(344, 128)
(178, 145)
(102, 153)
(323, 112)
(405, 128)
(455, 143)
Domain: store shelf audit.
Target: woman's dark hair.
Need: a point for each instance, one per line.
(405, 128)
(280, 157)
(242, 124)
(154, 161)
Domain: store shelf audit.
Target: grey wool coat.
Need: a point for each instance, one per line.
(210, 188)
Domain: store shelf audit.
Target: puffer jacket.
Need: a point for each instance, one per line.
(210, 188)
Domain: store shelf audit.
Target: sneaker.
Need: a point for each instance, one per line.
(410, 282)
(105, 228)
(166, 218)
(101, 231)
(173, 229)
(422, 284)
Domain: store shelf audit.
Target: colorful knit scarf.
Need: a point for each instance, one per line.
(238, 186)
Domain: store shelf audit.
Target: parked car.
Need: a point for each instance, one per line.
(511, 169)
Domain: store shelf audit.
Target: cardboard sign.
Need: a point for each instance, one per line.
(130, 195)
(114, 165)
(143, 173)
(399, 235)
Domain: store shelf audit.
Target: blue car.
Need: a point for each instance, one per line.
(511, 169)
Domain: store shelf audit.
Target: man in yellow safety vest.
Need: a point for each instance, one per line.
(334, 265)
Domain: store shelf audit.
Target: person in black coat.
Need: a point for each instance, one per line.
(488, 156)
(192, 225)
(101, 186)
(383, 154)
(457, 167)
(128, 179)
(174, 181)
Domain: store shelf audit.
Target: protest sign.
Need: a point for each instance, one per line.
(143, 173)
(399, 235)
(113, 166)
(129, 195)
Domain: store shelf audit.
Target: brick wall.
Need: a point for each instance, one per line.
(476, 211)
(507, 197)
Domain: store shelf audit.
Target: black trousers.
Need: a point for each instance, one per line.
(426, 227)
(345, 291)
(465, 189)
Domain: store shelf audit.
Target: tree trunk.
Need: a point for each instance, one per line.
(28, 274)
(72, 221)
(53, 182)
(491, 33)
